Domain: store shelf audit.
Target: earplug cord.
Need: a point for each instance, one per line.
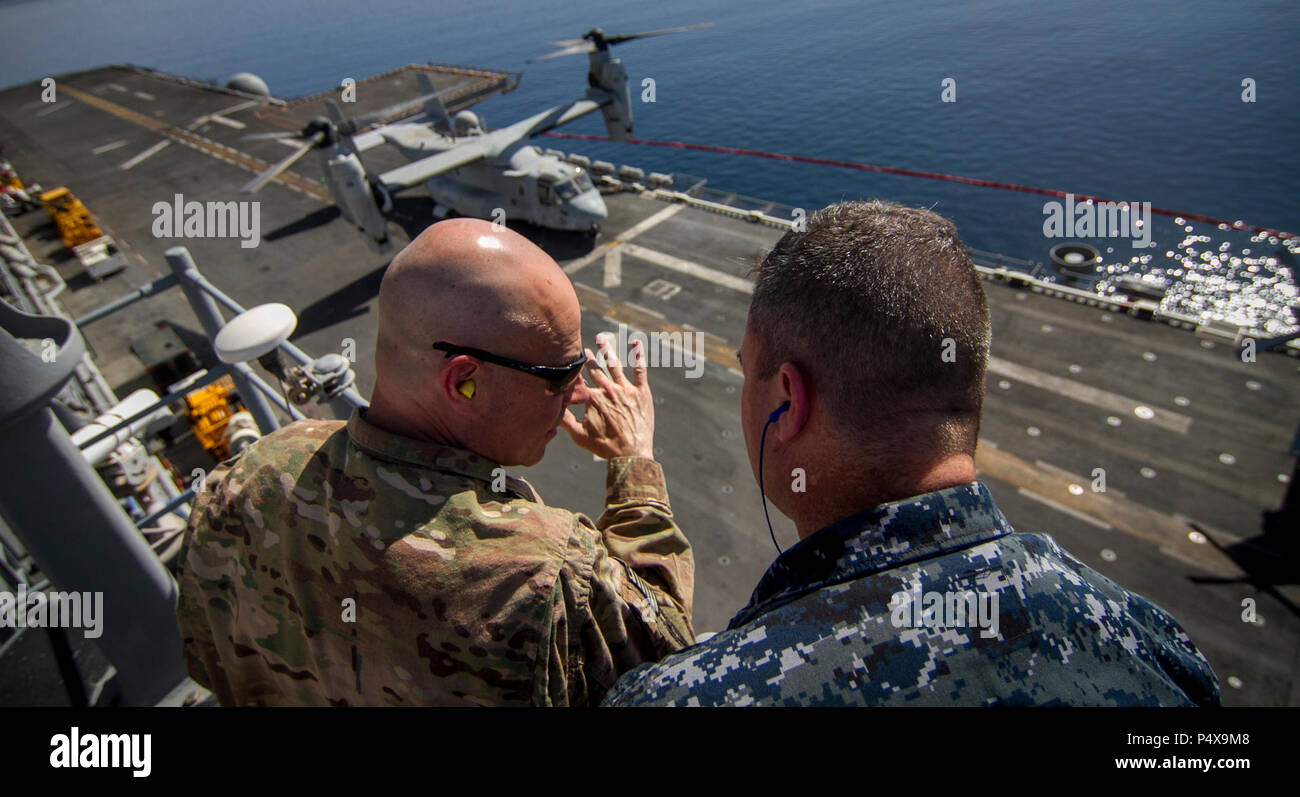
(762, 444)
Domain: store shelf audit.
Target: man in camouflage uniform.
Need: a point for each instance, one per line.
(389, 560)
(908, 586)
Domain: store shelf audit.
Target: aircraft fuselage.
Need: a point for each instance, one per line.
(522, 183)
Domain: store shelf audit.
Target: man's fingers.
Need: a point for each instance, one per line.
(639, 369)
(572, 425)
(599, 379)
(606, 343)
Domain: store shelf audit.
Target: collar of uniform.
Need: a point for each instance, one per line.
(421, 453)
(879, 538)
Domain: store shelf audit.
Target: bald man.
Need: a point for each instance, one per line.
(390, 560)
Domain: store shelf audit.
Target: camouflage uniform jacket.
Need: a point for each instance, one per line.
(821, 626)
(344, 565)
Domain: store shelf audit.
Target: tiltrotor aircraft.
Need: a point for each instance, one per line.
(464, 167)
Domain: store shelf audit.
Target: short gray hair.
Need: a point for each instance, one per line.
(867, 300)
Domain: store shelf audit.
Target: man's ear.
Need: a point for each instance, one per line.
(454, 374)
(796, 388)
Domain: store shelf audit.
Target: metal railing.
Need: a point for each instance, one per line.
(204, 298)
(89, 543)
(22, 278)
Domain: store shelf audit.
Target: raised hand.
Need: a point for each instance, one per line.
(619, 419)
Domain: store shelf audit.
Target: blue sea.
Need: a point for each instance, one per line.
(1135, 101)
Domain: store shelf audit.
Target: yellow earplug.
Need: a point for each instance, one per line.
(467, 388)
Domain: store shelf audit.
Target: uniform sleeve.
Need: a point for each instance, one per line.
(639, 530)
(201, 589)
(632, 603)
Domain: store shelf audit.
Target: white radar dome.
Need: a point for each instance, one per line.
(254, 332)
(249, 83)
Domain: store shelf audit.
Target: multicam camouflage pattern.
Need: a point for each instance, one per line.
(462, 595)
(819, 631)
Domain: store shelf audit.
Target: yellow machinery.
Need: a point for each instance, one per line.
(210, 411)
(9, 176)
(76, 225)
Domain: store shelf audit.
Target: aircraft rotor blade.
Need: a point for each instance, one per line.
(581, 47)
(270, 174)
(629, 37)
(272, 136)
(588, 44)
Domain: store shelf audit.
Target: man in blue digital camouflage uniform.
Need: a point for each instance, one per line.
(864, 360)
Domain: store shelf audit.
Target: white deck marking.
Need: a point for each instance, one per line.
(144, 95)
(154, 150)
(58, 106)
(665, 290)
(646, 310)
(621, 238)
(645, 224)
(236, 108)
(221, 120)
(613, 268)
(1167, 419)
(585, 260)
(1067, 510)
(690, 269)
(109, 147)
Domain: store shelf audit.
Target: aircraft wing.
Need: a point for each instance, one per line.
(365, 141)
(559, 115)
(417, 172)
(472, 149)
(384, 134)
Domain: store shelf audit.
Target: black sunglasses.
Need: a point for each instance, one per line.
(559, 378)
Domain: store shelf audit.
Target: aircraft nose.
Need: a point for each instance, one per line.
(589, 207)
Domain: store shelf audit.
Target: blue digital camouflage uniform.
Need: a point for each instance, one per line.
(824, 626)
(333, 564)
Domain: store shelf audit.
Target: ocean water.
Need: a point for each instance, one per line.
(1139, 102)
